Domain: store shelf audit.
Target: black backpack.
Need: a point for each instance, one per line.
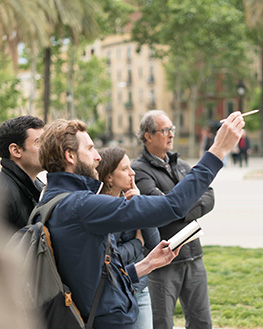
(45, 293)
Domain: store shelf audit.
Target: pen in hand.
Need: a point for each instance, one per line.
(243, 115)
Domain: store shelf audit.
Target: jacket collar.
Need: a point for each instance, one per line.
(154, 161)
(73, 182)
(21, 178)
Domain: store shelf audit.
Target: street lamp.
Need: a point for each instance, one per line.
(241, 90)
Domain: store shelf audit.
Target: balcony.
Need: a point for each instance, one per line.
(129, 105)
(129, 82)
(151, 79)
(151, 105)
(108, 107)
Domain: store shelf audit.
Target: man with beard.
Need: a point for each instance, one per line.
(80, 223)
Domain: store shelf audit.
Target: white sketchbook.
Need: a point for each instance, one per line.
(189, 233)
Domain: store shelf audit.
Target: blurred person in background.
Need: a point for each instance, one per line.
(244, 149)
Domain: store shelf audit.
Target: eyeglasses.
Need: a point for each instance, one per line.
(166, 131)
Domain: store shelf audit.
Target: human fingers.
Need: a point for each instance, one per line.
(228, 135)
(133, 185)
(130, 193)
(176, 251)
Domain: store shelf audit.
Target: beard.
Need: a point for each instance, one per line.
(83, 169)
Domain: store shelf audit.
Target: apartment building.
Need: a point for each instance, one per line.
(138, 85)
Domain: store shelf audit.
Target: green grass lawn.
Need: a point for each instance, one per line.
(235, 280)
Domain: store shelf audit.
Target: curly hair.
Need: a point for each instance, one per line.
(58, 137)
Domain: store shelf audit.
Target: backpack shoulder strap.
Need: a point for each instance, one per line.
(46, 209)
(105, 272)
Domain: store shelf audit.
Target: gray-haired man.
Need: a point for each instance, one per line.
(158, 170)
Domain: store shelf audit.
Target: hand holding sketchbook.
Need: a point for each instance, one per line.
(189, 233)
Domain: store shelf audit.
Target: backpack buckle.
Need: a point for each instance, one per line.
(68, 299)
(107, 259)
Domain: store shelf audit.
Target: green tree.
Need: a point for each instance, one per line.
(71, 20)
(22, 21)
(91, 84)
(200, 39)
(9, 94)
(76, 20)
(254, 19)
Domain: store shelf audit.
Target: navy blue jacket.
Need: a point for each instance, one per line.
(80, 223)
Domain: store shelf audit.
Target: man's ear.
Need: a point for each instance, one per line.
(70, 157)
(148, 136)
(15, 151)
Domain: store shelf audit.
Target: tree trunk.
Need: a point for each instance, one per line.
(32, 96)
(12, 45)
(3, 55)
(178, 110)
(47, 63)
(70, 100)
(193, 103)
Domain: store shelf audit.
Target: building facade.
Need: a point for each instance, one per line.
(139, 85)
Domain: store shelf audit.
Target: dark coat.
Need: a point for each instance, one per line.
(19, 194)
(153, 178)
(132, 251)
(80, 223)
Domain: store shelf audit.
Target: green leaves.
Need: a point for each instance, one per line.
(9, 94)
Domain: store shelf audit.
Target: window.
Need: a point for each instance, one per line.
(151, 53)
(140, 95)
(119, 97)
(129, 54)
(151, 76)
(120, 121)
(130, 124)
(140, 72)
(210, 86)
(130, 97)
(210, 111)
(129, 76)
(118, 53)
(108, 57)
(152, 96)
(230, 107)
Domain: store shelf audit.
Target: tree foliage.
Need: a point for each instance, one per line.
(202, 41)
(9, 94)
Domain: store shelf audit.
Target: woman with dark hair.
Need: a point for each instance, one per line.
(118, 178)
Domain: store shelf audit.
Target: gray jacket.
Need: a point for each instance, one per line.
(154, 178)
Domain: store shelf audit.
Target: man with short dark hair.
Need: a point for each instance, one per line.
(158, 170)
(19, 145)
(80, 223)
